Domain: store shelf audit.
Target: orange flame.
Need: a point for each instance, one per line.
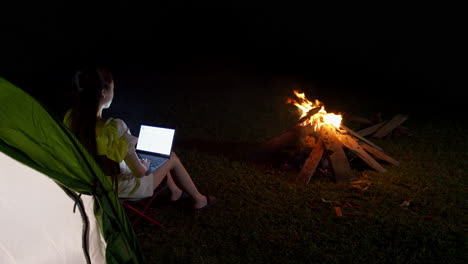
(320, 118)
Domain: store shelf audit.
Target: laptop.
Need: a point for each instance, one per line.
(155, 144)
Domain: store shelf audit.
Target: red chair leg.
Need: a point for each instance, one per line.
(147, 203)
(141, 215)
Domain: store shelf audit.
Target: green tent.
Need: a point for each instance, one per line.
(57, 206)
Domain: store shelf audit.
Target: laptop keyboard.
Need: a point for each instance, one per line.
(156, 162)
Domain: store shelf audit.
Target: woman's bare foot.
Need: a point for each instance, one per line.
(204, 201)
(200, 201)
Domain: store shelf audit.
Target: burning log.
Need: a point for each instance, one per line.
(332, 144)
(337, 157)
(332, 139)
(311, 163)
(360, 137)
(353, 145)
(309, 114)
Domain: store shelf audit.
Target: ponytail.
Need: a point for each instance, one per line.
(88, 84)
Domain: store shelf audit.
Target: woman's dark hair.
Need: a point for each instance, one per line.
(89, 84)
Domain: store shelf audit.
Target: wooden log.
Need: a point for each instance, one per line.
(360, 137)
(353, 145)
(367, 131)
(389, 126)
(402, 131)
(288, 139)
(338, 160)
(309, 142)
(311, 163)
(380, 155)
(311, 112)
(293, 138)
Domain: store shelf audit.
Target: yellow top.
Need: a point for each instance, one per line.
(113, 140)
(109, 142)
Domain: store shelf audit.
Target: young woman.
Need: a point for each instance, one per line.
(111, 138)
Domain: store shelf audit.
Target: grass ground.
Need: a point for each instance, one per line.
(261, 217)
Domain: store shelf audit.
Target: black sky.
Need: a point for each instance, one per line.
(411, 53)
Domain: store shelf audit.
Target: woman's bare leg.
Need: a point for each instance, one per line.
(176, 192)
(180, 178)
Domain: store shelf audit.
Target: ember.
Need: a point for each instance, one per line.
(328, 139)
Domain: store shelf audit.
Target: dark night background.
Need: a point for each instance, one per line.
(221, 71)
(400, 58)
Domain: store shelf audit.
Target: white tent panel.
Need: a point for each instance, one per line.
(37, 223)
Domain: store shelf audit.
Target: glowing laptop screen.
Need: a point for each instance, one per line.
(155, 139)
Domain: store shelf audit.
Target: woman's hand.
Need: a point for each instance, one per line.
(138, 167)
(146, 163)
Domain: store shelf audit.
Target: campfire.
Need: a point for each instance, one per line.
(329, 141)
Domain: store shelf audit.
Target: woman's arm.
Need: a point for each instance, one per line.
(138, 167)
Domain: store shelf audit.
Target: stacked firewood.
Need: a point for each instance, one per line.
(329, 143)
(377, 127)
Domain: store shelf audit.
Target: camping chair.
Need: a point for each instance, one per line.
(139, 207)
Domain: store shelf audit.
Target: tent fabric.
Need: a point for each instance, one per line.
(35, 137)
(40, 228)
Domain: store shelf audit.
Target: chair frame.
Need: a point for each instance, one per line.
(146, 202)
(112, 168)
